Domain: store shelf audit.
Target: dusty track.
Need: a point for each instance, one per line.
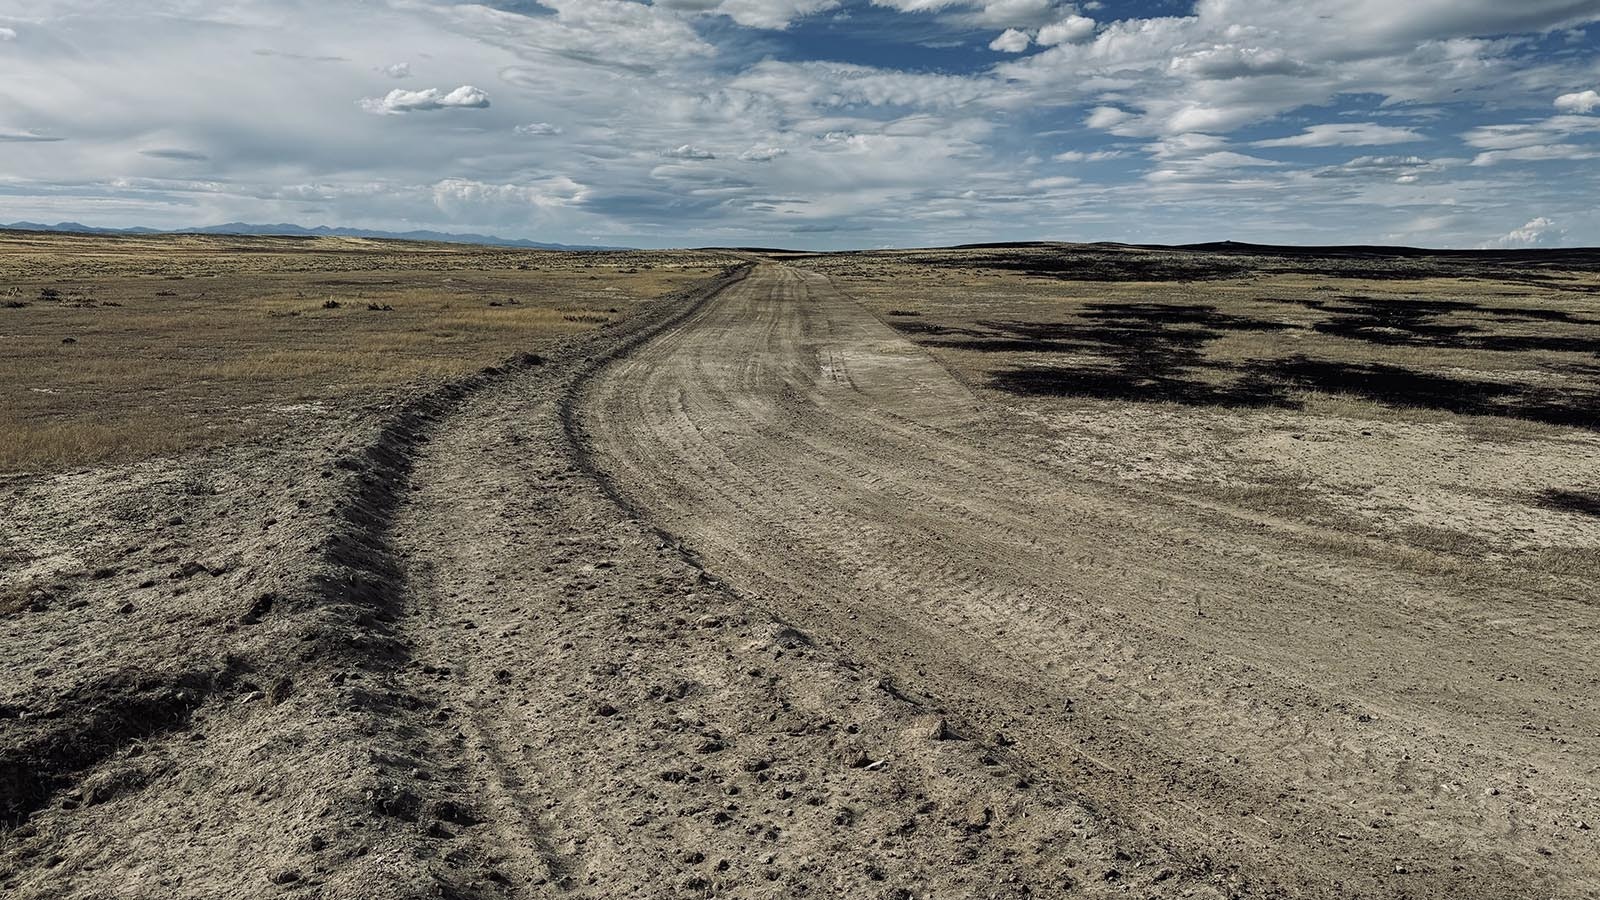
(1313, 725)
(620, 723)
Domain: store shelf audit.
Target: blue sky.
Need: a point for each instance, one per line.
(814, 123)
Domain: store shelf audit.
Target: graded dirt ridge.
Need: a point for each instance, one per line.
(775, 588)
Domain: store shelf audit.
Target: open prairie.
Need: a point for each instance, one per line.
(341, 568)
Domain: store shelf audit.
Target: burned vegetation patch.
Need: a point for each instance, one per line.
(1110, 265)
(1398, 386)
(1407, 321)
(1584, 503)
(1142, 352)
(1157, 352)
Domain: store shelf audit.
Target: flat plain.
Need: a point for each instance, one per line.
(366, 569)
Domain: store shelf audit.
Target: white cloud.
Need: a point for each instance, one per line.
(688, 151)
(463, 196)
(1011, 41)
(882, 154)
(1076, 156)
(399, 102)
(1580, 102)
(770, 14)
(1070, 30)
(8, 34)
(1555, 129)
(978, 13)
(1186, 145)
(1106, 118)
(1362, 134)
(1222, 63)
(397, 70)
(1539, 232)
(24, 137)
(806, 87)
(537, 129)
(1237, 62)
(762, 154)
(1536, 153)
(1398, 169)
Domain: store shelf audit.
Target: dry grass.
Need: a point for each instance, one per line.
(1576, 562)
(120, 348)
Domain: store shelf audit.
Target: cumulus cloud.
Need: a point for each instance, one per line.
(1070, 30)
(464, 196)
(537, 129)
(1580, 102)
(1232, 63)
(1222, 63)
(397, 70)
(1539, 232)
(688, 151)
(1106, 118)
(1362, 134)
(399, 102)
(770, 14)
(1011, 41)
(975, 13)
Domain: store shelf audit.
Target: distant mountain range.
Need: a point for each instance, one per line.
(285, 230)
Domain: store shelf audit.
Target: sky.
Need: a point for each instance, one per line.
(821, 124)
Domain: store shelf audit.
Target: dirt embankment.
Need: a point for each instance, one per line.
(203, 654)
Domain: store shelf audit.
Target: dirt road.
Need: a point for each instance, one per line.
(1316, 723)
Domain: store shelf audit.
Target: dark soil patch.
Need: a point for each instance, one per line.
(1585, 503)
(1397, 321)
(1155, 353)
(1398, 386)
(91, 723)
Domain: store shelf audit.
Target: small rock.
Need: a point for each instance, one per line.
(284, 876)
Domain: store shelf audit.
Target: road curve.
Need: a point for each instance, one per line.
(1243, 695)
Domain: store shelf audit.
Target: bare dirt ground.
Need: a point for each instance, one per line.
(1006, 572)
